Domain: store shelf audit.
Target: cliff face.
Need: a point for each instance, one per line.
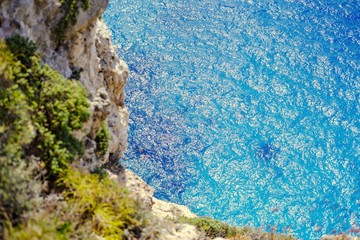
(84, 53)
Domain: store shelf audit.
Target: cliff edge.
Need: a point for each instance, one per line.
(80, 49)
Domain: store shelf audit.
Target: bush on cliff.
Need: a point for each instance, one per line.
(102, 140)
(39, 109)
(54, 106)
(101, 205)
(17, 188)
(213, 228)
(91, 207)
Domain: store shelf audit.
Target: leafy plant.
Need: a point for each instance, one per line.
(56, 106)
(63, 107)
(22, 48)
(39, 109)
(211, 227)
(18, 188)
(39, 227)
(101, 205)
(102, 140)
(101, 172)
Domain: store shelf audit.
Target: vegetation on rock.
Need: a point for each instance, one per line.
(70, 9)
(102, 140)
(213, 228)
(17, 186)
(101, 205)
(54, 106)
(39, 110)
(90, 207)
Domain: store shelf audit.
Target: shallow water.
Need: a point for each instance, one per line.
(246, 111)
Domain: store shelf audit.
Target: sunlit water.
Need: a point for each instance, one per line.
(246, 111)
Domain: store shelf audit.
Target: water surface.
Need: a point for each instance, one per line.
(246, 111)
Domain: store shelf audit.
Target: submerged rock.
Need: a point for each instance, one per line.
(267, 152)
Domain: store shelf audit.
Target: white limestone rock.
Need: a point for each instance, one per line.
(145, 193)
(180, 232)
(139, 189)
(170, 210)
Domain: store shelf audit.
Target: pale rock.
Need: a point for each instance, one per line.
(180, 232)
(163, 211)
(139, 189)
(170, 210)
(115, 177)
(87, 17)
(145, 193)
(35, 19)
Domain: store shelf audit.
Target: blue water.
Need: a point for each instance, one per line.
(246, 111)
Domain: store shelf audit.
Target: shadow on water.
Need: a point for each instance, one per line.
(267, 152)
(173, 178)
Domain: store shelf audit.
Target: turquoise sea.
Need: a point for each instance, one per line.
(247, 111)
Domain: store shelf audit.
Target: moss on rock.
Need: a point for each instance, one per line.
(70, 9)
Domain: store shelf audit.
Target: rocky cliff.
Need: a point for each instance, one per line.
(84, 52)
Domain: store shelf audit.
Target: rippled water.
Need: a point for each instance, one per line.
(246, 111)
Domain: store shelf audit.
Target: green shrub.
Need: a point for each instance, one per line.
(63, 107)
(257, 234)
(22, 48)
(39, 110)
(211, 227)
(214, 228)
(100, 205)
(17, 185)
(101, 172)
(55, 106)
(40, 227)
(91, 208)
(102, 140)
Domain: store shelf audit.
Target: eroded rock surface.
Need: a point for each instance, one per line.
(161, 210)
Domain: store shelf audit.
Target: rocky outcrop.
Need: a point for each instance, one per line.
(85, 54)
(142, 191)
(180, 231)
(170, 210)
(162, 211)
